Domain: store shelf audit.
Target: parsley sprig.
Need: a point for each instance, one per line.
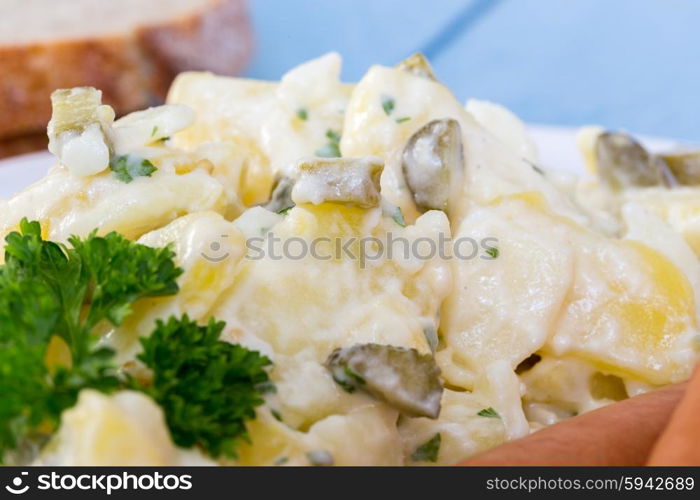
(48, 290)
(53, 294)
(207, 388)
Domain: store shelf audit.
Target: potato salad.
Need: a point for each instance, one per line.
(310, 272)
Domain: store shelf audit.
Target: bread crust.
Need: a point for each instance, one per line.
(132, 69)
(23, 144)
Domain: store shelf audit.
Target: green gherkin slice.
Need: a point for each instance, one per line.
(417, 65)
(684, 166)
(623, 162)
(402, 377)
(431, 158)
(74, 109)
(281, 197)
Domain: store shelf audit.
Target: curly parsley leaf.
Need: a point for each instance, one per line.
(59, 295)
(206, 387)
(127, 167)
(48, 291)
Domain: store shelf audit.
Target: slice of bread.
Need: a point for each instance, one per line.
(130, 49)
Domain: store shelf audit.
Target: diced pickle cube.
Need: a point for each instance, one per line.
(418, 65)
(74, 109)
(353, 181)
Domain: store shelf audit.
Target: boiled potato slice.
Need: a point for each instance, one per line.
(463, 432)
(125, 429)
(68, 205)
(207, 248)
(271, 124)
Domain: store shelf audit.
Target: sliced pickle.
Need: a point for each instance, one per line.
(281, 198)
(417, 65)
(353, 181)
(623, 162)
(684, 166)
(79, 130)
(402, 377)
(74, 109)
(432, 156)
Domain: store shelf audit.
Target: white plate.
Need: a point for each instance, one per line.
(557, 147)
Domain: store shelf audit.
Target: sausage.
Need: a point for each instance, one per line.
(679, 444)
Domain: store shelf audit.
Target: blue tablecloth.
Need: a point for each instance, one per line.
(625, 64)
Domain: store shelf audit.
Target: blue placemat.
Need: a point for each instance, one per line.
(628, 64)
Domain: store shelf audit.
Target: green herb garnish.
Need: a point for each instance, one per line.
(388, 104)
(70, 294)
(403, 119)
(284, 211)
(303, 114)
(493, 252)
(206, 387)
(127, 167)
(398, 217)
(332, 148)
(49, 290)
(428, 451)
(489, 413)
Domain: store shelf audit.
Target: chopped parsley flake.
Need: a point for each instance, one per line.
(489, 413)
(428, 451)
(128, 167)
(332, 148)
(403, 119)
(284, 211)
(493, 252)
(303, 114)
(398, 217)
(388, 105)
